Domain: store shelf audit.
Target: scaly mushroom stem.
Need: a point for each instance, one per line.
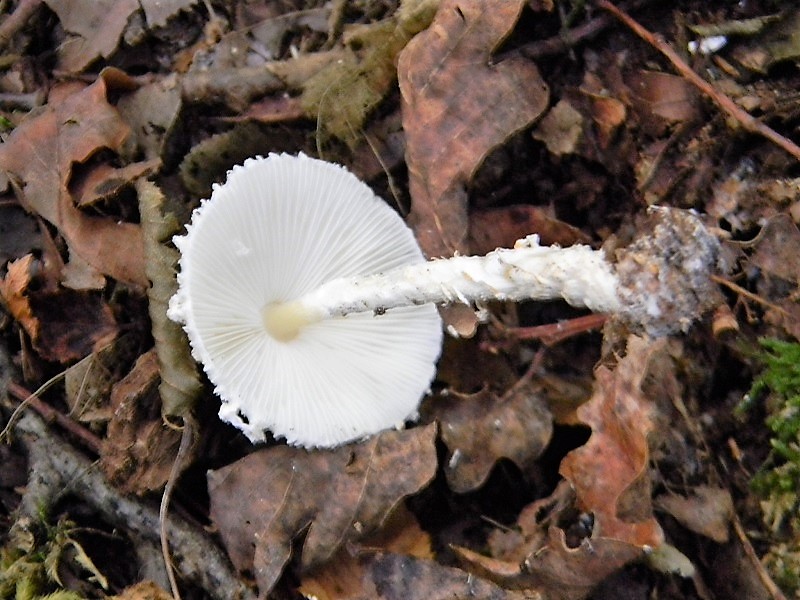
(578, 274)
(660, 284)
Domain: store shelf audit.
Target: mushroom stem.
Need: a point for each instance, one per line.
(660, 283)
(578, 274)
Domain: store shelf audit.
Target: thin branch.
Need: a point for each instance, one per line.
(748, 122)
(196, 558)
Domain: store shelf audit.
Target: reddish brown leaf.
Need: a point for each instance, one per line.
(97, 26)
(12, 290)
(662, 99)
(458, 106)
(139, 450)
(776, 249)
(707, 511)
(73, 324)
(343, 576)
(64, 324)
(540, 555)
(501, 227)
(480, 429)
(398, 577)
(40, 153)
(261, 502)
(614, 460)
(104, 181)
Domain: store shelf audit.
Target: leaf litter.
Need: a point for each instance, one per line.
(422, 98)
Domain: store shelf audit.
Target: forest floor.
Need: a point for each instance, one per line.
(560, 454)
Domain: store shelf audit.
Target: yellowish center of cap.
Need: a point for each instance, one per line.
(284, 320)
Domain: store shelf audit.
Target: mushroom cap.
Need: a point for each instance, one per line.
(280, 227)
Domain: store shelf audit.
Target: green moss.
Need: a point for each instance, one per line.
(778, 481)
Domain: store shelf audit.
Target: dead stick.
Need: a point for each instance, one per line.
(747, 121)
(48, 413)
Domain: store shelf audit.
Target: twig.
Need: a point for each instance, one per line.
(196, 558)
(553, 333)
(749, 295)
(89, 440)
(568, 38)
(187, 438)
(748, 122)
(765, 578)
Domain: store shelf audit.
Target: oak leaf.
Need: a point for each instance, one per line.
(40, 153)
(458, 106)
(480, 429)
(261, 502)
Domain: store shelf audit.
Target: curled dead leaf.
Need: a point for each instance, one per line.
(457, 107)
(261, 502)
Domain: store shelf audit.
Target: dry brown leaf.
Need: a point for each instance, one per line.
(776, 249)
(13, 288)
(19, 233)
(40, 153)
(63, 325)
(561, 129)
(343, 576)
(139, 449)
(539, 555)
(153, 111)
(501, 227)
(261, 502)
(457, 107)
(662, 99)
(481, 428)
(612, 465)
(96, 25)
(158, 12)
(104, 182)
(144, 590)
(707, 511)
(400, 577)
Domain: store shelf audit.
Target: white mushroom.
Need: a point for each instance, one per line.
(312, 309)
(280, 227)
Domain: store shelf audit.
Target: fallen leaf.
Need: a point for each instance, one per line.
(19, 233)
(399, 577)
(63, 324)
(158, 12)
(777, 42)
(557, 571)
(561, 129)
(40, 153)
(13, 289)
(480, 429)
(104, 182)
(343, 576)
(152, 112)
(537, 554)
(662, 99)
(458, 106)
(180, 382)
(261, 502)
(501, 227)
(609, 472)
(139, 450)
(88, 383)
(144, 590)
(707, 511)
(776, 249)
(96, 27)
